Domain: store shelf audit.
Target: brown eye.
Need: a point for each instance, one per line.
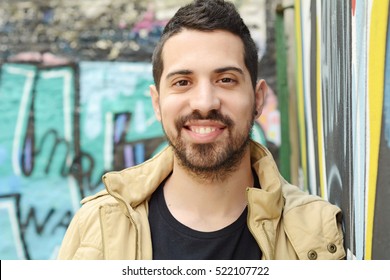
(182, 83)
(226, 80)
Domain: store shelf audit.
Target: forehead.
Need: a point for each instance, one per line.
(193, 48)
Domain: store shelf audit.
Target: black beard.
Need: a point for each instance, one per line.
(212, 161)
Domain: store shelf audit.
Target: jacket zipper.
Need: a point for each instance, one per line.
(266, 236)
(102, 231)
(259, 239)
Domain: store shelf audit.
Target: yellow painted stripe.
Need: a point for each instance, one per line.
(376, 73)
(320, 131)
(300, 97)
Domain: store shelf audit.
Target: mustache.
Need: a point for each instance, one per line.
(213, 115)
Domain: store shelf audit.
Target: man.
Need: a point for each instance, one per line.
(213, 193)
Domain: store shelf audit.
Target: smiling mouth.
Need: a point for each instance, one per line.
(205, 127)
(202, 129)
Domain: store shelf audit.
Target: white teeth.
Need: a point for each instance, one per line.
(203, 130)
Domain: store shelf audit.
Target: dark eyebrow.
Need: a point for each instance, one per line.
(229, 68)
(218, 71)
(179, 72)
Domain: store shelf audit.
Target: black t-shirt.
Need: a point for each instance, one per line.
(172, 240)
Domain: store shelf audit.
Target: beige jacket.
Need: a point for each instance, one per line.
(286, 222)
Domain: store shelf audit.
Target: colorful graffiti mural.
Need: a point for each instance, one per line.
(343, 100)
(58, 138)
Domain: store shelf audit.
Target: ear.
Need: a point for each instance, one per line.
(155, 101)
(260, 95)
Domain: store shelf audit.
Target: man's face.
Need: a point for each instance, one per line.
(206, 101)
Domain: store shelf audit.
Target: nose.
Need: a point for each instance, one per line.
(204, 98)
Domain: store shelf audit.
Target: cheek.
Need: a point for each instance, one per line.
(172, 106)
(242, 109)
(167, 110)
(169, 113)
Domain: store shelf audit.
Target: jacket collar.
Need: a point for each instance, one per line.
(136, 184)
(267, 201)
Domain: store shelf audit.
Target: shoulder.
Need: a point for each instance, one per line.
(295, 197)
(312, 224)
(86, 222)
(93, 201)
(91, 207)
(83, 238)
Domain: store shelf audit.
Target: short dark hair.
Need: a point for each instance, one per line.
(207, 15)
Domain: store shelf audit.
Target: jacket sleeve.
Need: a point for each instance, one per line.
(315, 231)
(71, 241)
(313, 225)
(76, 245)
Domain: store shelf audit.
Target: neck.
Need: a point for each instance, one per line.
(208, 204)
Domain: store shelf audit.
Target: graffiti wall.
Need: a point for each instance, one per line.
(59, 136)
(75, 104)
(344, 117)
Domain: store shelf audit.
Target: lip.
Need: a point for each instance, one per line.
(204, 131)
